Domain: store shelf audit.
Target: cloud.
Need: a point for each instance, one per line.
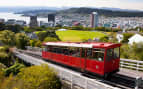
(124, 4)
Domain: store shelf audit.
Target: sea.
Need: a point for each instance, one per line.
(11, 15)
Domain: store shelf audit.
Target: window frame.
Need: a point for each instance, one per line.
(96, 59)
(113, 58)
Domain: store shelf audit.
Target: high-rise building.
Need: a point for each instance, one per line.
(2, 20)
(33, 21)
(94, 19)
(51, 17)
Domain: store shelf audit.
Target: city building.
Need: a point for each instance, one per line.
(47, 24)
(94, 19)
(33, 21)
(32, 35)
(11, 22)
(2, 20)
(51, 17)
(76, 24)
(137, 38)
(20, 22)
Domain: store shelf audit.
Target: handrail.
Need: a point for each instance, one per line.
(131, 64)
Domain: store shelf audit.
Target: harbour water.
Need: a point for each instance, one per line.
(8, 15)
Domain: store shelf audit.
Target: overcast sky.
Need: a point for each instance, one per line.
(124, 4)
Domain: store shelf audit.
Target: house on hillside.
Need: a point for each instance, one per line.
(32, 35)
(137, 38)
(119, 37)
(62, 30)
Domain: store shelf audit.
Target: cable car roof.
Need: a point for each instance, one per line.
(83, 45)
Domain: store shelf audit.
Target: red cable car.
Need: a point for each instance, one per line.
(98, 58)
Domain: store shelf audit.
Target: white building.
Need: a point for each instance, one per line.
(119, 37)
(62, 30)
(137, 38)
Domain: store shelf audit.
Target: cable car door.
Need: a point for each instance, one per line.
(83, 59)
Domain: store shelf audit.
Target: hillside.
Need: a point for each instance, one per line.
(104, 12)
(109, 12)
(78, 36)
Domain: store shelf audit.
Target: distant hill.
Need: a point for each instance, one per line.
(118, 9)
(42, 12)
(104, 12)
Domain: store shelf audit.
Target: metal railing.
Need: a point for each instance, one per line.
(73, 77)
(34, 48)
(131, 64)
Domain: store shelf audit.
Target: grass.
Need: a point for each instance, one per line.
(78, 36)
(1, 48)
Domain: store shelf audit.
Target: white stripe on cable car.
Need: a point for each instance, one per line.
(71, 45)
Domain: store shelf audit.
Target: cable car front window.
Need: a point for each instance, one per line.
(98, 54)
(113, 53)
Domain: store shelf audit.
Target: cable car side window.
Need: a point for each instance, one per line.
(74, 51)
(110, 54)
(65, 50)
(116, 53)
(83, 50)
(89, 53)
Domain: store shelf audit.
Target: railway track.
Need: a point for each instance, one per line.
(116, 80)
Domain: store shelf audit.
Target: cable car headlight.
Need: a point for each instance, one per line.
(97, 67)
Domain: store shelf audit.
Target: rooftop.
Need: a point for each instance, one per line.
(84, 45)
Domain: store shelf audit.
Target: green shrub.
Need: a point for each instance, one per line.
(50, 39)
(4, 49)
(104, 39)
(38, 43)
(126, 36)
(14, 69)
(38, 77)
(22, 40)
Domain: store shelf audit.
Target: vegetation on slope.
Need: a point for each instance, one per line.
(110, 13)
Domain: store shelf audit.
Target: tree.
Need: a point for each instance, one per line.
(1, 77)
(137, 49)
(27, 29)
(50, 39)
(38, 43)
(15, 28)
(32, 42)
(77, 28)
(104, 39)
(22, 40)
(7, 37)
(126, 36)
(125, 51)
(39, 77)
(14, 69)
(43, 34)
